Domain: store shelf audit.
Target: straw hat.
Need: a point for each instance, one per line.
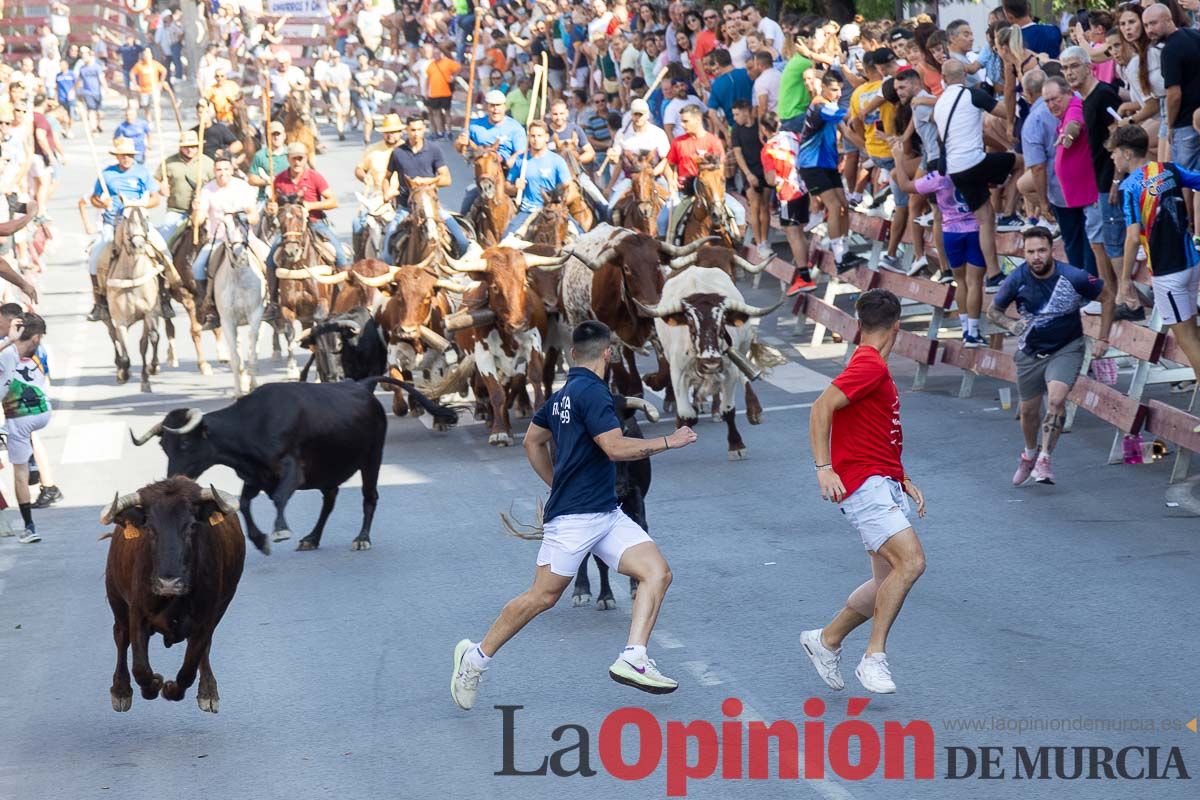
(391, 124)
(189, 139)
(122, 146)
(297, 149)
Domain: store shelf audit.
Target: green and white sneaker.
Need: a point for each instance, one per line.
(641, 673)
(464, 682)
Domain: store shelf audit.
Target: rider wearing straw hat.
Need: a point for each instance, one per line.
(372, 171)
(180, 188)
(125, 184)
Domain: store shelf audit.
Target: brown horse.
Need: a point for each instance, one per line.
(131, 285)
(183, 254)
(708, 215)
(576, 204)
(298, 121)
(638, 209)
(306, 281)
(426, 233)
(494, 209)
(246, 133)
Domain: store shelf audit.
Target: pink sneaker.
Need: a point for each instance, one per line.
(1041, 470)
(1024, 470)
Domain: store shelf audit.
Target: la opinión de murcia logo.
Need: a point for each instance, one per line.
(739, 750)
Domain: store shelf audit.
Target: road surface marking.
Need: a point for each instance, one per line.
(702, 673)
(391, 475)
(666, 641)
(93, 441)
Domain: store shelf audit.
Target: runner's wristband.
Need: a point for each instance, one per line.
(666, 444)
(823, 467)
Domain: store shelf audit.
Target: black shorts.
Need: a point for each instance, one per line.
(820, 179)
(974, 184)
(437, 103)
(793, 212)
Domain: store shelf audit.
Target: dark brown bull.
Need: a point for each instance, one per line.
(173, 566)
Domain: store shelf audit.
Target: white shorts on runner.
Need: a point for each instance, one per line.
(569, 538)
(878, 511)
(1175, 295)
(19, 432)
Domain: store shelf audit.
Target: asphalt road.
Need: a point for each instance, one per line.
(1073, 602)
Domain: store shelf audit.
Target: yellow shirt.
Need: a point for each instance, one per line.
(883, 117)
(374, 162)
(222, 97)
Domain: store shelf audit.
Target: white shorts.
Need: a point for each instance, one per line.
(20, 431)
(1175, 295)
(570, 537)
(877, 510)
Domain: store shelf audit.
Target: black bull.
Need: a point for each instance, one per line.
(346, 345)
(287, 436)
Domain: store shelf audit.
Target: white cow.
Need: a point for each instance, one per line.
(701, 316)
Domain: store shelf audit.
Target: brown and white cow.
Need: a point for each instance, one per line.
(509, 348)
(702, 316)
(173, 566)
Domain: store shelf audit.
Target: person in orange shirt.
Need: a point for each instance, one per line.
(222, 95)
(441, 74)
(495, 54)
(149, 77)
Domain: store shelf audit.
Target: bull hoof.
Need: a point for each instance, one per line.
(205, 368)
(738, 454)
(122, 378)
(153, 368)
(210, 704)
(754, 417)
(173, 691)
(121, 701)
(500, 440)
(173, 361)
(442, 427)
(360, 543)
(281, 535)
(415, 411)
(308, 543)
(606, 603)
(146, 387)
(151, 692)
(259, 540)
(581, 599)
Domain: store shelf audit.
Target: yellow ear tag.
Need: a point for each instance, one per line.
(132, 531)
(215, 518)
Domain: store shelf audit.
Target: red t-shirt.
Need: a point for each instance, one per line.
(687, 150)
(706, 42)
(867, 438)
(310, 186)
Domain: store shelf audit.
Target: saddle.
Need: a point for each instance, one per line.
(679, 219)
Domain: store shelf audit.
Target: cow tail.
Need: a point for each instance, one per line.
(766, 357)
(439, 412)
(455, 381)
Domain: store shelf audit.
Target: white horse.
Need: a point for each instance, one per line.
(239, 291)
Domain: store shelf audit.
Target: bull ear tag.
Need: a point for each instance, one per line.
(215, 518)
(131, 531)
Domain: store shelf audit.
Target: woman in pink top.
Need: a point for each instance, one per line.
(1073, 158)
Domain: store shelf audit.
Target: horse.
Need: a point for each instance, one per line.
(132, 290)
(494, 210)
(426, 235)
(247, 134)
(239, 289)
(298, 122)
(577, 204)
(379, 214)
(638, 209)
(183, 255)
(306, 281)
(708, 215)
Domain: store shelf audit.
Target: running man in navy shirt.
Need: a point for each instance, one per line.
(582, 517)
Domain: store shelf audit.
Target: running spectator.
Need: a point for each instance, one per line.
(90, 75)
(26, 407)
(137, 130)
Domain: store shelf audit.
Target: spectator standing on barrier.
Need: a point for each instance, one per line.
(779, 156)
(1181, 77)
(1157, 220)
(1049, 296)
(856, 439)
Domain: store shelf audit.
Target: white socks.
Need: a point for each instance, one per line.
(476, 658)
(634, 652)
(839, 248)
(973, 326)
(1031, 452)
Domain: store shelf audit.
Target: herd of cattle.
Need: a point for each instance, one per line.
(495, 322)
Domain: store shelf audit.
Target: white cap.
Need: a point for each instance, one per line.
(849, 32)
(495, 96)
(639, 106)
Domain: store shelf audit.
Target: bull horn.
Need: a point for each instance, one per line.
(655, 311)
(194, 415)
(600, 261)
(752, 268)
(292, 274)
(226, 502)
(455, 286)
(376, 281)
(687, 249)
(683, 262)
(138, 441)
(475, 264)
(120, 503)
(330, 280)
(645, 406)
(546, 263)
(755, 311)
(433, 338)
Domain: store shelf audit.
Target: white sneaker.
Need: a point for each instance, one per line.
(464, 683)
(764, 250)
(641, 673)
(873, 673)
(29, 536)
(815, 221)
(917, 265)
(1093, 309)
(925, 220)
(827, 662)
(891, 264)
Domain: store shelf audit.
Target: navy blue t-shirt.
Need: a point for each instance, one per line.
(1042, 38)
(1050, 304)
(585, 480)
(405, 163)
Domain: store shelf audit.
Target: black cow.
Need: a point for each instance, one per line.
(633, 482)
(287, 436)
(346, 345)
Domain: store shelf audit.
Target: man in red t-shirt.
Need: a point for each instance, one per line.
(314, 192)
(685, 155)
(856, 439)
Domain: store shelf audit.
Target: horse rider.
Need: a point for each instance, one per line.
(282, 79)
(124, 184)
(542, 172)
(219, 199)
(314, 192)
(372, 171)
(685, 155)
(217, 135)
(421, 162)
(641, 136)
(180, 186)
(270, 160)
(495, 128)
(223, 94)
(562, 130)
